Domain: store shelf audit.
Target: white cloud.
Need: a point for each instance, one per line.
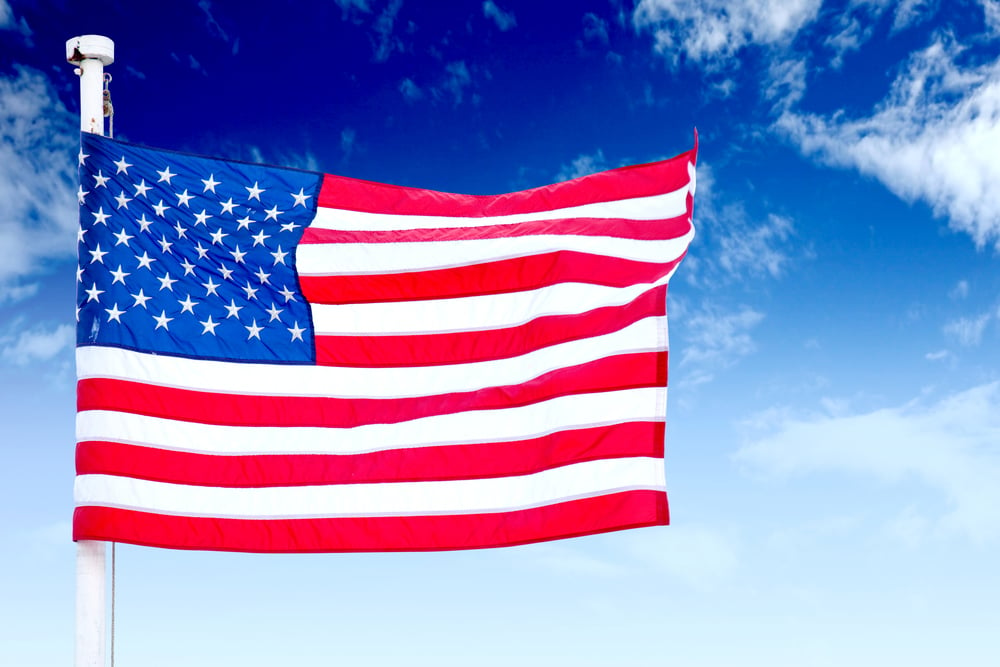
(951, 446)
(457, 79)
(411, 91)
(348, 137)
(707, 30)
(991, 14)
(38, 147)
(756, 250)
(595, 29)
(934, 138)
(968, 331)
(385, 43)
(715, 339)
(504, 20)
(912, 12)
(960, 291)
(21, 347)
(582, 165)
(939, 355)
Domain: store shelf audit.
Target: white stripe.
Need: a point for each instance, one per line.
(580, 480)
(348, 259)
(472, 313)
(654, 207)
(343, 382)
(502, 425)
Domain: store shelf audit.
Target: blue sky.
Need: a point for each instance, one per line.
(833, 441)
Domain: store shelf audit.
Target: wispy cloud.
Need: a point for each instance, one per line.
(504, 20)
(38, 148)
(714, 338)
(934, 138)
(714, 31)
(968, 331)
(410, 90)
(582, 165)
(952, 446)
(385, 42)
(21, 346)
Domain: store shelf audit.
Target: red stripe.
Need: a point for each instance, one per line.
(449, 462)
(625, 371)
(509, 275)
(625, 183)
(587, 516)
(470, 346)
(640, 230)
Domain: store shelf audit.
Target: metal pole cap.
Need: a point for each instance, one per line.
(85, 47)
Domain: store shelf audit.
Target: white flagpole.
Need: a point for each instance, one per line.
(90, 53)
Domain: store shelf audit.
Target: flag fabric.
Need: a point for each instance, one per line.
(275, 360)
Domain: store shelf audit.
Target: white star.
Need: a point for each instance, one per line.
(296, 332)
(165, 175)
(210, 183)
(145, 261)
(262, 276)
(237, 255)
(100, 180)
(81, 195)
(273, 213)
(143, 223)
(97, 255)
(188, 267)
(288, 294)
(234, 310)
(140, 299)
(187, 305)
(244, 222)
(202, 252)
(79, 234)
(217, 236)
(289, 227)
(279, 256)
(259, 238)
(227, 206)
(226, 273)
(201, 218)
(183, 198)
(79, 274)
(166, 282)
(254, 330)
(160, 208)
(254, 192)
(122, 200)
(300, 198)
(122, 166)
(82, 157)
(251, 291)
(141, 188)
(274, 312)
(211, 286)
(93, 293)
(114, 313)
(181, 232)
(100, 217)
(209, 326)
(119, 275)
(122, 237)
(164, 245)
(162, 320)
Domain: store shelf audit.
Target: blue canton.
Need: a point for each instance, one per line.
(191, 256)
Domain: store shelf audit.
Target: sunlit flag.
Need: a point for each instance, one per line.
(281, 360)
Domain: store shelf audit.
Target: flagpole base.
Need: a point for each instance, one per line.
(90, 603)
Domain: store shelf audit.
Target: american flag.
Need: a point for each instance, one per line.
(279, 360)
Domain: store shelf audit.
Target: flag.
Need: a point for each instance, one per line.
(274, 360)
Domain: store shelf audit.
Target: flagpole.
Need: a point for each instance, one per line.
(90, 53)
